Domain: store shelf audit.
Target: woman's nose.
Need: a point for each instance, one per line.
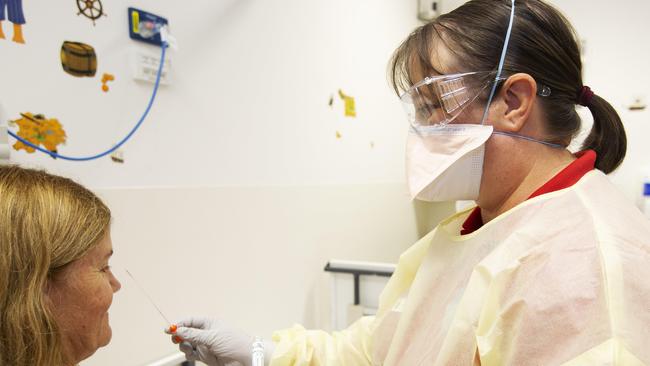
(115, 283)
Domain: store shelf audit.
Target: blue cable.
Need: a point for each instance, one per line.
(124, 140)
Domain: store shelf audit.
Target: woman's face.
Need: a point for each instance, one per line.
(80, 296)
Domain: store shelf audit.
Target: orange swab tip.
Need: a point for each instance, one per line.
(172, 328)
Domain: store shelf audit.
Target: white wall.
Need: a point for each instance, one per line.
(252, 78)
(249, 103)
(617, 53)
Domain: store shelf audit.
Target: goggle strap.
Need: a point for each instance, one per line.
(549, 144)
(501, 62)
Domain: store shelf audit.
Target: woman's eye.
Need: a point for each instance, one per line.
(106, 269)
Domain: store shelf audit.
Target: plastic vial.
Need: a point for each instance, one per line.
(257, 353)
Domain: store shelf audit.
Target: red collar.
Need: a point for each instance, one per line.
(585, 162)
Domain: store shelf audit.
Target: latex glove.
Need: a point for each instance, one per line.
(216, 344)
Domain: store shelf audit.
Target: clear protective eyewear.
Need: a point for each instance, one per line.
(439, 100)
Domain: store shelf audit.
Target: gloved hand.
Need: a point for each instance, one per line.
(214, 343)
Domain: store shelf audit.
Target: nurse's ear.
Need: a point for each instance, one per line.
(518, 94)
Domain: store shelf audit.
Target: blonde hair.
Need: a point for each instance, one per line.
(46, 222)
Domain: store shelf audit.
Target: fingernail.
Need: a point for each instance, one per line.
(177, 340)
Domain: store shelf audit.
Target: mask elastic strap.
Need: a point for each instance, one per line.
(549, 144)
(501, 62)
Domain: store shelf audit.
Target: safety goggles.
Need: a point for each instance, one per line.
(439, 100)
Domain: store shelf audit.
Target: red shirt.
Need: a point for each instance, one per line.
(585, 162)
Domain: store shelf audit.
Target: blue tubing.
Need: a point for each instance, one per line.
(124, 140)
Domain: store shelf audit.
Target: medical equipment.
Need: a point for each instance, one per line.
(439, 100)
(257, 353)
(172, 327)
(446, 163)
(146, 27)
(215, 343)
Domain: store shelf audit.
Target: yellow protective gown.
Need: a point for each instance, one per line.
(561, 279)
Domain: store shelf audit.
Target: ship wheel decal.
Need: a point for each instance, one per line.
(91, 9)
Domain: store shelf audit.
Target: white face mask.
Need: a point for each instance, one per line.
(446, 163)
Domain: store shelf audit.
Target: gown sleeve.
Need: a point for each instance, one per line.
(298, 346)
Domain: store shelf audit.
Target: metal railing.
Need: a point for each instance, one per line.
(358, 268)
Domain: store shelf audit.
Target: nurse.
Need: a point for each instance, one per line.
(551, 267)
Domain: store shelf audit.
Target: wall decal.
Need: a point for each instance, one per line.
(105, 79)
(350, 110)
(78, 59)
(39, 130)
(13, 10)
(91, 9)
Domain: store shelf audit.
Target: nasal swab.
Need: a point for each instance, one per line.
(172, 328)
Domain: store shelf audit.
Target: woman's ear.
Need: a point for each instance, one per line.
(518, 93)
(53, 286)
(49, 289)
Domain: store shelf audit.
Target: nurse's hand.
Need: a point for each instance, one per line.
(214, 343)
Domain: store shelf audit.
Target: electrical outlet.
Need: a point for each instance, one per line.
(145, 66)
(145, 26)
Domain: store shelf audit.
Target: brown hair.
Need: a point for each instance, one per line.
(46, 222)
(542, 44)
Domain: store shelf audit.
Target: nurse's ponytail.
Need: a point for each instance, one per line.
(607, 136)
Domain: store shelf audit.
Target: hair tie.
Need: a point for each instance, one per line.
(585, 96)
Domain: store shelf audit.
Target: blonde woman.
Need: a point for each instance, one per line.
(55, 281)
